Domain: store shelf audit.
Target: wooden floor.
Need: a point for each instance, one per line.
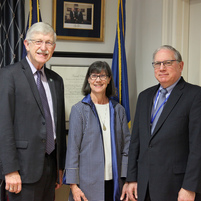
(62, 193)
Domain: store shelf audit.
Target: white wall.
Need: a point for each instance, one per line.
(143, 36)
(194, 65)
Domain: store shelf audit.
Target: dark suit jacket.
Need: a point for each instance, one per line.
(22, 122)
(170, 159)
(80, 17)
(73, 16)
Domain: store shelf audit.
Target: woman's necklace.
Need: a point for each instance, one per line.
(103, 122)
(104, 127)
(105, 115)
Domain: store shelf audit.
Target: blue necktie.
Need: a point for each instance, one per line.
(50, 145)
(159, 107)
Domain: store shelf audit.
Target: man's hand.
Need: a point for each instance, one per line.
(13, 182)
(132, 191)
(60, 179)
(185, 195)
(77, 193)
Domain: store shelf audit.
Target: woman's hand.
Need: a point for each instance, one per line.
(77, 193)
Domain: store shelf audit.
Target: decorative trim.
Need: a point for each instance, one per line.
(83, 54)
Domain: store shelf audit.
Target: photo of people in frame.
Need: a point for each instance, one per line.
(78, 15)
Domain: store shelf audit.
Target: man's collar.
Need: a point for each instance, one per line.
(33, 69)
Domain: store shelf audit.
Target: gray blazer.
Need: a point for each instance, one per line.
(85, 153)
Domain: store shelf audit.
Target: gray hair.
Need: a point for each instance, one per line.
(40, 27)
(168, 47)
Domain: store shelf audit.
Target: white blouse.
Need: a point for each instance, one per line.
(104, 117)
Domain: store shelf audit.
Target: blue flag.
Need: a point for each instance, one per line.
(119, 64)
(34, 16)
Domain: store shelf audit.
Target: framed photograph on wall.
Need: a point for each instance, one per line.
(79, 19)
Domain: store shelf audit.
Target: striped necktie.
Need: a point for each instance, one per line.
(159, 108)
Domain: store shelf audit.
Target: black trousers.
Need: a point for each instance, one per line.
(109, 189)
(147, 197)
(44, 189)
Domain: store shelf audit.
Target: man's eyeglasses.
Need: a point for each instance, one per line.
(166, 63)
(101, 77)
(40, 42)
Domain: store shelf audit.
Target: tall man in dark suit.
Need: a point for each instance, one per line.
(32, 168)
(79, 16)
(73, 15)
(165, 160)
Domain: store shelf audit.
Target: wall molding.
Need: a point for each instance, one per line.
(83, 54)
(175, 28)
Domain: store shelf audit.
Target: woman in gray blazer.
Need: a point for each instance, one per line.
(98, 140)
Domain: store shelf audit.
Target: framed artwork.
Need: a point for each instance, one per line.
(73, 77)
(79, 19)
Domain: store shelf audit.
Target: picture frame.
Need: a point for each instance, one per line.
(72, 67)
(73, 77)
(81, 20)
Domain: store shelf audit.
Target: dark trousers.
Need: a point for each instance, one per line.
(147, 197)
(109, 189)
(44, 189)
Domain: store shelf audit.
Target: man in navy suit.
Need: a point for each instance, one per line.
(165, 161)
(79, 16)
(30, 171)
